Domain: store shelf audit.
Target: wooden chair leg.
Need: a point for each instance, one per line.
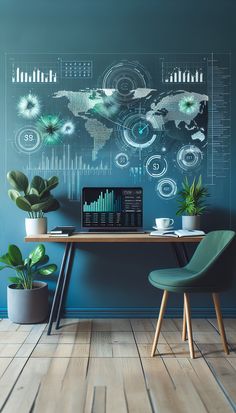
(216, 300)
(159, 321)
(189, 324)
(184, 331)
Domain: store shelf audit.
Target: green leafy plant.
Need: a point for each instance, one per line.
(34, 197)
(192, 198)
(27, 269)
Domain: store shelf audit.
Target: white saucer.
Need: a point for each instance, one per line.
(163, 229)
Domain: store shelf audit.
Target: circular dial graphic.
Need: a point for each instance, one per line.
(28, 139)
(124, 85)
(138, 131)
(124, 77)
(122, 160)
(166, 188)
(156, 166)
(189, 157)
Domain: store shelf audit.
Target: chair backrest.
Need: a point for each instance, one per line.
(210, 249)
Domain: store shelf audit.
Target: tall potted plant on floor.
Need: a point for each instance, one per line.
(33, 197)
(192, 203)
(27, 299)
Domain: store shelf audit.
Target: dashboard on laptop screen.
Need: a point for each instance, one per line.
(112, 207)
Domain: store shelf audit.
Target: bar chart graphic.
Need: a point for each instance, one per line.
(106, 202)
(33, 73)
(184, 73)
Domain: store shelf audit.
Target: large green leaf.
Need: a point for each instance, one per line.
(199, 183)
(45, 194)
(33, 191)
(54, 205)
(13, 194)
(27, 261)
(44, 260)
(6, 259)
(43, 205)
(23, 204)
(32, 199)
(52, 182)
(38, 183)
(18, 181)
(2, 267)
(15, 255)
(37, 254)
(48, 269)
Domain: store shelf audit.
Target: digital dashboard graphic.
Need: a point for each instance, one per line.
(112, 207)
(145, 120)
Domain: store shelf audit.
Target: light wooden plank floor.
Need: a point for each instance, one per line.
(104, 366)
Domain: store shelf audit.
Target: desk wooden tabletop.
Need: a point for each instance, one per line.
(111, 238)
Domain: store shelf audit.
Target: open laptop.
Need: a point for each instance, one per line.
(112, 209)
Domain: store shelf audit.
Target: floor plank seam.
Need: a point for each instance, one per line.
(4, 371)
(168, 372)
(35, 399)
(140, 358)
(126, 399)
(231, 402)
(198, 393)
(213, 325)
(199, 349)
(89, 355)
(144, 375)
(37, 342)
(150, 401)
(13, 386)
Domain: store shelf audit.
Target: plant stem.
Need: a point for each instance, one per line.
(22, 278)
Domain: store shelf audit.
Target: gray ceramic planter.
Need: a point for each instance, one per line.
(28, 306)
(191, 222)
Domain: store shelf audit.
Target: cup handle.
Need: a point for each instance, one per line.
(171, 221)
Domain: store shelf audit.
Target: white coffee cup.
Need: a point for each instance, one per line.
(163, 223)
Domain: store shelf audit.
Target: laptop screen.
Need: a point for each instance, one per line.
(112, 207)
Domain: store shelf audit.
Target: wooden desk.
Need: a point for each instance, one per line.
(79, 238)
(112, 237)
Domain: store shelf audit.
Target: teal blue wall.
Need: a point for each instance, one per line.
(112, 279)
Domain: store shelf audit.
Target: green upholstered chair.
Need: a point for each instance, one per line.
(210, 270)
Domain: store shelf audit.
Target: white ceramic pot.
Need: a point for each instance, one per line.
(28, 306)
(35, 226)
(191, 222)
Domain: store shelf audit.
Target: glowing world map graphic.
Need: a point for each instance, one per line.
(117, 119)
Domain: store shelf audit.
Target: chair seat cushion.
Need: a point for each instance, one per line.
(177, 280)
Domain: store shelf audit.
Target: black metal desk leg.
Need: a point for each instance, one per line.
(185, 253)
(177, 254)
(58, 288)
(66, 273)
(182, 257)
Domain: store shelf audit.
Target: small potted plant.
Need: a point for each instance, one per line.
(192, 203)
(35, 198)
(27, 300)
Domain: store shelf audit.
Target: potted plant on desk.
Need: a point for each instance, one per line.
(27, 300)
(192, 203)
(34, 198)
